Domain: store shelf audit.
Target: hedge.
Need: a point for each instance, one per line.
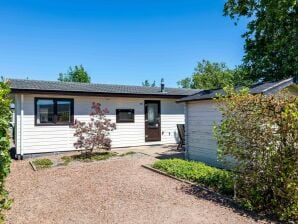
(5, 115)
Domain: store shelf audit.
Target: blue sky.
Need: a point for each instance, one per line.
(117, 41)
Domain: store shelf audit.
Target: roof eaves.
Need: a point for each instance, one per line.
(281, 84)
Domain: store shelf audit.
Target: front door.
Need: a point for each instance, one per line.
(152, 121)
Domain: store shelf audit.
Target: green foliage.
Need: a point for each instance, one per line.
(210, 75)
(127, 153)
(271, 49)
(217, 179)
(148, 84)
(78, 74)
(88, 157)
(258, 135)
(43, 163)
(5, 115)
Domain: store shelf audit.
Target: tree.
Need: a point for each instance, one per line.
(258, 138)
(78, 74)
(148, 84)
(5, 115)
(212, 75)
(94, 134)
(271, 49)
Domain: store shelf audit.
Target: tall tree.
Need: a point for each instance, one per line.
(76, 74)
(271, 47)
(212, 75)
(147, 83)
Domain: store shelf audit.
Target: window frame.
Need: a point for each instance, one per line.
(55, 111)
(118, 120)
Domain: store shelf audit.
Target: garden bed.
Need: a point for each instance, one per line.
(44, 163)
(215, 179)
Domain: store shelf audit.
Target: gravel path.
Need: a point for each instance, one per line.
(113, 191)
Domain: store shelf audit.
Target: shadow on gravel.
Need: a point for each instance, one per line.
(203, 194)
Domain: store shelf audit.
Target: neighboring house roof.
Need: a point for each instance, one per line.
(73, 88)
(262, 87)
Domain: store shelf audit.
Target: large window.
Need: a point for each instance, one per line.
(53, 111)
(125, 115)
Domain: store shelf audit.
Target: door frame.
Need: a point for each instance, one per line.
(146, 117)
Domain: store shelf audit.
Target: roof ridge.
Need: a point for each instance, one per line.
(94, 84)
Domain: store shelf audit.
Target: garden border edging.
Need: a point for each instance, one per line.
(149, 167)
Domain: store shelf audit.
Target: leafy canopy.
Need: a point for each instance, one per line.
(213, 75)
(76, 74)
(260, 133)
(148, 84)
(271, 49)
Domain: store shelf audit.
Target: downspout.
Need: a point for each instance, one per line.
(186, 154)
(21, 125)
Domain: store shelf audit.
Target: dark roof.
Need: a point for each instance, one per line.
(35, 86)
(264, 88)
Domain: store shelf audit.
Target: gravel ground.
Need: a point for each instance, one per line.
(112, 191)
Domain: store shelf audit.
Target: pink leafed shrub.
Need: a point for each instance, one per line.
(94, 134)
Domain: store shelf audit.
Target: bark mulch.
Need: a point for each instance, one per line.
(111, 191)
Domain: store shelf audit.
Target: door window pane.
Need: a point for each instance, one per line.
(152, 115)
(45, 111)
(63, 111)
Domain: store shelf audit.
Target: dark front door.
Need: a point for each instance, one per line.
(152, 120)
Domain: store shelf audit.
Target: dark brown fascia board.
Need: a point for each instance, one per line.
(77, 93)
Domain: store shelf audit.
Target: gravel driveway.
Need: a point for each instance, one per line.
(113, 191)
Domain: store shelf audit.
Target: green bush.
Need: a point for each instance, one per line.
(88, 157)
(5, 114)
(260, 133)
(217, 179)
(42, 163)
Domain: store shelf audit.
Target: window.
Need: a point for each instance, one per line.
(125, 115)
(53, 111)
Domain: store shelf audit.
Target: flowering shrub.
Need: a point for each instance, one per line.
(94, 134)
(260, 133)
(5, 114)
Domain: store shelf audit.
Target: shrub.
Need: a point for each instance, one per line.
(260, 133)
(217, 179)
(94, 134)
(5, 114)
(43, 163)
(96, 156)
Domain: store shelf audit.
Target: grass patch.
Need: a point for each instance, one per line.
(127, 153)
(42, 163)
(88, 157)
(211, 177)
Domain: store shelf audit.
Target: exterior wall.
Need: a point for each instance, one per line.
(200, 143)
(38, 139)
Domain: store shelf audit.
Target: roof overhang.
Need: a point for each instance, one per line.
(276, 87)
(79, 93)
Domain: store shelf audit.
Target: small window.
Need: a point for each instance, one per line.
(53, 111)
(125, 115)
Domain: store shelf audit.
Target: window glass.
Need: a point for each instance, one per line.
(124, 115)
(45, 111)
(63, 111)
(152, 115)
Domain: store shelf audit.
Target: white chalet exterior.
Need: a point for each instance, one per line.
(201, 114)
(45, 111)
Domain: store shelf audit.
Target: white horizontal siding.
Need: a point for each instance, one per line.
(37, 139)
(201, 117)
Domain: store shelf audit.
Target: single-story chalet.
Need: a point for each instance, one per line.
(45, 111)
(201, 113)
